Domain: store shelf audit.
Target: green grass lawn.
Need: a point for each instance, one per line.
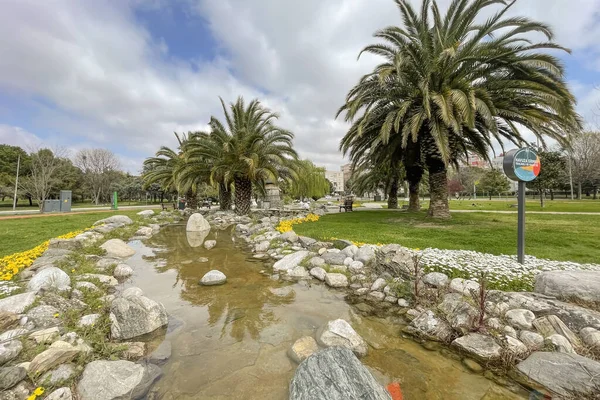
(556, 237)
(7, 205)
(22, 234)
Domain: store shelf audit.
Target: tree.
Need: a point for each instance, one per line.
(584, 155)
(551, 174)
(9, 157)
(310, 181)
(248, 149)
(97, 166)
(44, 174)
(469, 178)
(450, 85)
(494, 182)
(455, 186)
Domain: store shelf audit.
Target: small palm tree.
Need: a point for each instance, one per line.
(248, 149)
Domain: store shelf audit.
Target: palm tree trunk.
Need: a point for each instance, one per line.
(243, 195)
(414, 174)
(438, 189)
(224, 197)
(393, 193)
(191, 200)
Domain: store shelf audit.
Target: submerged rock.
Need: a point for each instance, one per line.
(340, 333)
(213, 277)
(116, 248)
(303, 348)
(209, 244)
(335, 374)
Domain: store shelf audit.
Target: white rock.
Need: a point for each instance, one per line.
(515, 346)
(213, 277)
(436, 279)
(144, 231)
(134, 316)
(582, 285)
(87, 285)
(510, 331)
(18, 303)
(316, 262)
(591, 337)
(88, 320)
(117, 248)
(318, 273)
(365, 254)
(209, 244)
(464, 287)
(49, 278)
(376, 296)
(146, 213)
(356, 267)
(290, 261)
(132, 291)
(532, 340)
(322, 250)
(115, 219)
(379, 284)
(105, 279)
(560, 344)
(350, 251)
(45, 335)
(403, 303)
(122, 271)
(340, 333)
(9, 350)
(13, 334)
(479, 346)
(63, 393)
(298, 272)
(197, 223)
(520, 318)
(289, 236)
(336, 280)
(263, 246)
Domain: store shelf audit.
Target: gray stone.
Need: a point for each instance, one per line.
(135, 316)
(299, 272)
(115, 219)
(339, 333)
(289, 236)
(348, 261)
(580, 285)
(133, 351)
(520, 318)
(112, 380)
(262, 246)
(132, 291)
(144, 231)
(197, 223)
(302, 349)
(196, 239)
(379, 284)
(590, 337)
(209, 244)
(87, 286)
(365, 254)
(8, 320)
(45, 335)
(290, 261)
(162, 353)
(350, 251)
(376, 296)
(532, 340)
(58, 353)
(509, 331)
(306, 241)
(403, 303)
(146, 213)
(316, 262)
(551, 324)
(49, 278)
(436, 279)
(105, 279)
(390, 299)
(356, 267)
(213, 277)
(13, 334)
(10, 376)
(122, 271)
(494, 323)
(461, 315)
(479, 346)
(559, 343)
(61, 303)
(9, 351)
(67, 244)
(335, 374)
(43, 316)
(515, 346)
(430, 326)
(336, 280)
(564, 374)
(333, 258)
(63, 393)
(362, 291)
(318, 273)
(59, 374)
(464, 287)
(88, 320)
(116, 248)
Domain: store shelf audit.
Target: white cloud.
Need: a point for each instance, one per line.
(15, 136)
(105, 82)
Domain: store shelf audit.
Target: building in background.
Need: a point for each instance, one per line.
(347, 171)
(337, 179)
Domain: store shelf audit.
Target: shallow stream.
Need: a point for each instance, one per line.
(230, 341)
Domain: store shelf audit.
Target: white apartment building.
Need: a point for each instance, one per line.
(337, 179)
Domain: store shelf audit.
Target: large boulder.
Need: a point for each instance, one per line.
(332, 258)
(9, 350)
(579, 285)
(59, 352)
(49, 278)
(196, 239)
(134, 316)
(339, 333)
(290, 261)
(116, 220)
(112, 380)
(365, 254)
(479, 346)
(461, 315)
(213, 277)
(430, 326)
(564, 374)
(335, 374)
(117, 248)
(197, 223)
(18, 303)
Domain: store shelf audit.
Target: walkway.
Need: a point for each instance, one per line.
(83, 210)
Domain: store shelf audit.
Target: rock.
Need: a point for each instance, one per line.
(106, 262)
(551, 324)
(564, 374)
(480, 346)
(63, 393)
(111, 380)
(335, 374)
(66, 244)
(209, 244)
(322, 251)
(336, 280)
(316, 262)
(509, 331)
(403, 303)
(436, 279)
(59, 352)
(362, 291)
(390, 299)
(290, 261)
(494, 323)
(365, 254)
(87, 286)
(115, 219)
(318, 273)
(134, 350)
(430, 326)
(356, 267)
(10, 376)
(472, 365)
(376, 296)
(348, 261)
(333, 258)
(8, 320)
(306, 241)
(213, 277)
(379, 284)
(105, 279)
(339, 333)
(464, 287)
(520, 318)
(302, 349)
(559, 343)
(196, 239)
(122, 271)
(461, 315)
(144, 231)
(532, 340)
(197, 223)
(45, 335)
(262, 246)
(116, 248)
(515, 346)
(59, 374)
(9, 350)
(289, 236)
(146, 213)
(132, 291)
(49, 278)
(567, 285)
(43, 316)
(162, 353)
(350, 251)
(340, 244)
(590, 337)
(61, 303)
(299, 272)
(135, 316)
(88, 320)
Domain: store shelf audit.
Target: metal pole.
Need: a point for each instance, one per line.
(16, 183)
(570, 177)
(521, 224)
(474, 192)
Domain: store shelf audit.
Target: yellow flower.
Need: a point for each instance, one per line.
(73, 270)
(32, 397)
(38, 391)
(56, 315)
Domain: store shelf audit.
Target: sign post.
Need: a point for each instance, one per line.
(521, 165)
(115, 201)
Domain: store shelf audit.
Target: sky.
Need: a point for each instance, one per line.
(126, 74)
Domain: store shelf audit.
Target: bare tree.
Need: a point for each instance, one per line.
(585, 159)
(97, 166)
(44, 174)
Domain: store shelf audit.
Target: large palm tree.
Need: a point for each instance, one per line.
(247, 149)
(455, 83)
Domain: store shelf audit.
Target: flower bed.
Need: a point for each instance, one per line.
(287, 225)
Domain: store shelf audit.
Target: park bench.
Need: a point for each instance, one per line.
(347, 206)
